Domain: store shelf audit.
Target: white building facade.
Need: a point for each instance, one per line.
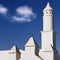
(48, 49)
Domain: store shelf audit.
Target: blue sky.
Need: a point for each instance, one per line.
(20, 17)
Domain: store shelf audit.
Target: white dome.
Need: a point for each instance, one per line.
(48, 7)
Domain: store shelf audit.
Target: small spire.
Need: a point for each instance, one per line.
(48, 7)
(32, 34)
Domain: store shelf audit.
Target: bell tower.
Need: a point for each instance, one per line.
(48, 18)
(48, 35)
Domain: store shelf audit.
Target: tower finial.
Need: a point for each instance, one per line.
(32, 34)
(48, 4)
(48, 7)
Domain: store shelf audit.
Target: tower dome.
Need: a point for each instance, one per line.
(48, 7)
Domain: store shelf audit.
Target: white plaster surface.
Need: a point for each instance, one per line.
(48, 49)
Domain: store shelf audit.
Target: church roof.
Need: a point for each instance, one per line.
(48, 7)
(14, 49)
(31, 42)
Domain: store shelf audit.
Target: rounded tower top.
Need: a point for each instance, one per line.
(48, 7)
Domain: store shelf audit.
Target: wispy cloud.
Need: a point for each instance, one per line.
(24, 14)
(3, 10)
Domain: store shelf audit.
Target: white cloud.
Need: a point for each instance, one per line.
(24, 14)
(3, 10)
(21, 19)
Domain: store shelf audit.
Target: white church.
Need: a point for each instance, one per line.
(32, 51)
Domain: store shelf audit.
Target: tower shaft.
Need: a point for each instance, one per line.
(48, 35)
